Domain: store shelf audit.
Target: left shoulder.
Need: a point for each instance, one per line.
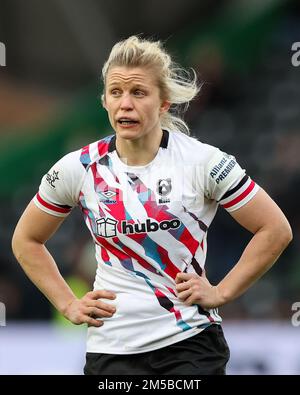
(191, 149)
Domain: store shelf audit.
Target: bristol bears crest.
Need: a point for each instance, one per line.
(164, 187)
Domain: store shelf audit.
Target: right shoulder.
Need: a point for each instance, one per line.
(93, 152)
(80, 160)
(61, 186)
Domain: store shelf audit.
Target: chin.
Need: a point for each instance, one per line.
(129, 134)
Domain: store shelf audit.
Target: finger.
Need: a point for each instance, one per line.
(93, 322)
(95, 312)
(101, 305)
(183, 286)
(101, 293)
(203, 273)
(184, 295)
(190, 300)
(182, 277)
(86, 319)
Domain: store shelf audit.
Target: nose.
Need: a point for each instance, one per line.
(126, 102)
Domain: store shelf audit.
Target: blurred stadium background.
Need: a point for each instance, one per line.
(249, 106)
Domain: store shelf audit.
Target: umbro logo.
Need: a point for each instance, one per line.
(106, 196)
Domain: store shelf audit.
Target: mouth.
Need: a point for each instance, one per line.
(127, 121)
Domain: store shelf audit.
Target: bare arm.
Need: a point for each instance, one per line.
(34, 228)
(272, 233)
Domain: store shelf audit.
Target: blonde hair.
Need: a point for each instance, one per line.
(177, 85)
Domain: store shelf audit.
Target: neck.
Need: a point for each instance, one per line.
(139, 152)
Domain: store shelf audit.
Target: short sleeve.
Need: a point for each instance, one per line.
(60, 187)
(227, 182)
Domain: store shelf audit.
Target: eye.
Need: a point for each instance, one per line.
(115, 92)
(139, 93)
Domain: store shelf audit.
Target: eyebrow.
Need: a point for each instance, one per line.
(136, 86)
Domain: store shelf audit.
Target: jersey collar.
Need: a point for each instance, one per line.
(163, 143)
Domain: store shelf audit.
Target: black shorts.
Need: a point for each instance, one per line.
(206, 353)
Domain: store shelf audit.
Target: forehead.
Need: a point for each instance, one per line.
(130, 75)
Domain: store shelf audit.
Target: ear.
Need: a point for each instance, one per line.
(103, 101)
(164, 107)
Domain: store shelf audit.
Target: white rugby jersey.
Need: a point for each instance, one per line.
(148, 223)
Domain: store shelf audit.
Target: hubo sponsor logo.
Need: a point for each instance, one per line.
(296, 56)
(296, 316)
(107, 227)
(2, 314)
(2, 54)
